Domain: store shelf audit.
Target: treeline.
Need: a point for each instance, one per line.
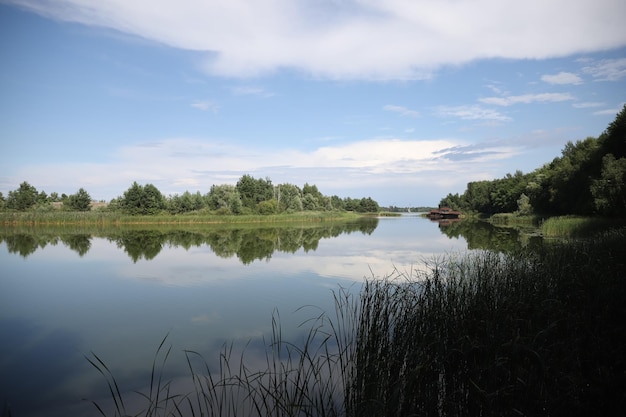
(589, 178)
(248, 196)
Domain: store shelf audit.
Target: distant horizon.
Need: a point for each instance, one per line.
(403, 101)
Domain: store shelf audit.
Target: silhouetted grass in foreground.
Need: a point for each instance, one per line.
(480, 334)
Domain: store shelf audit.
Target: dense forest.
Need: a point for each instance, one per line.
(248, 196)
(588, 179)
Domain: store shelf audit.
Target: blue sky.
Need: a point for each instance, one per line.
(404, 101)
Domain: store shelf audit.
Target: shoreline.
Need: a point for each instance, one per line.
(33, 219)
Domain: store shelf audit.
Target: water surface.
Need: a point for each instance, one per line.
(64, 294)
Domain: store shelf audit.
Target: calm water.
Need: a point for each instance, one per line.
(118, 293)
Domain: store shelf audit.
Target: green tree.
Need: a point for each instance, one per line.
(289, 198)
(185, 203)
(312, 198)
(327, 203)
(132, 200)
(506, 191)
(23, 198)
(154, 202)
(42, 198)
(454, 201)
(224, 198)
(571, 176)
(478, 197)
(81, 201)
(367, 205)
(537, 190)
(613, 140)
(350, 204)
(337, 203)
(609, 192)
(524, 208)
(142, 200)
(309, 202)
(268, 207)
(253, 191)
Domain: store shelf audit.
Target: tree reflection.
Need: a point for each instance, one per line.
(246, 243)
(139, 244)
(25, 243)
(484, 235)
(22, 244)
(81, 243)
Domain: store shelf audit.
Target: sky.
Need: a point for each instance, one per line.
(403, 101)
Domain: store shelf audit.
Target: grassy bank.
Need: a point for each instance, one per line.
(559, 226)
(480, 334)
(575, 226)
(512, 219)
(104, 218)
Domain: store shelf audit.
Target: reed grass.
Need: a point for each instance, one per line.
(104, 218)
(514, 219)
(477, 334)
(575, 226)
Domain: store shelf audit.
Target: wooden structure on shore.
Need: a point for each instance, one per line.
(443, 213)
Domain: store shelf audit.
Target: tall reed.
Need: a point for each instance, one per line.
(575, 226)
(108, 218)
(493, 334)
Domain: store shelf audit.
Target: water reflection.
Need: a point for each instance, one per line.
(128, 287)
(485, 236)
(80, 243)
(25, 244)
(246, 243)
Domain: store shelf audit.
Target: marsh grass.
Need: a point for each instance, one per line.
(514, 219)
(493, 334)
(106, 218)
(477, 334)
(575, 226)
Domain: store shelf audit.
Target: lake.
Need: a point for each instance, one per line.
(65, 293)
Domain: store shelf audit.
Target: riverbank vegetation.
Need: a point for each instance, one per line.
(588, 179)
(117, 218)
(483, 333)
(246, 201)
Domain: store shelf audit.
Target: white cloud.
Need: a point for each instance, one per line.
(562, 78)
(587, 105)
(607, 69)
(496, 88)
(527, 99)
(176, 165)
(205, 105)
(608, 112)
(473, 112)
(354, 39)
(251, 91)
(403, 111)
